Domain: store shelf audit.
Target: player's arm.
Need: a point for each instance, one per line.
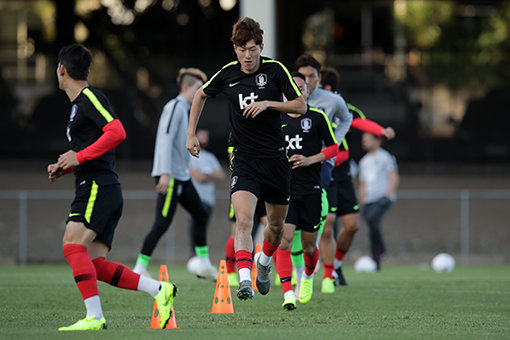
(296, 105)
(343, 153)
(344, 116)
(360, 122)
(54, 172)
(362, 191)
(327, 136)
(197, 106)
(113, 135)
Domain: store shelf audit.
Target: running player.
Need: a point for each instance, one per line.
(254, 86)
(343, 196)
(93, 132)
(173, 181)
(336, 109)
(305, 135)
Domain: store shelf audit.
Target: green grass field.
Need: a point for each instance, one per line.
(397, 303)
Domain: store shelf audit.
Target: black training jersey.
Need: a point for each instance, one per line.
(90, 112)
(306, 136)
(260, 136)
(343, 171)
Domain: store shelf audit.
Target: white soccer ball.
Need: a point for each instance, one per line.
(365, 264)
(193, 264)
(443, 263)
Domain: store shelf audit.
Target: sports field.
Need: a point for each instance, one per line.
(397, 303)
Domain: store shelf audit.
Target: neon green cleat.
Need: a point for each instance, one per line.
(233, 279)
(328, 286)
(306, 290)
(277, 281)
(165, 301)
(289, 302)
(90, 323)
(294, 277)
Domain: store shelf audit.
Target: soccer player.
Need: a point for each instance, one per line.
(343, 196)
(336, 109)
(305, 135)
(378, 175)
(93, 132)
(254, 86)
(172, 175)
(204, 172)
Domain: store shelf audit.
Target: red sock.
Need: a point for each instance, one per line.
(328, 270)
(284, 269)
(230, 255)
(243, 259)
(311, 262)
(84, 272)
(269, 248)
(339, 254)
(116, 274)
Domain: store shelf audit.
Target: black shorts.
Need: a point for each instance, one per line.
(266, 178)
(305, 211)
(332, 191)
(347, 202)
(98, 207)
(260, 211)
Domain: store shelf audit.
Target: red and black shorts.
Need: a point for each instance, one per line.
(305, 211)
(98, 207)
(266, 178)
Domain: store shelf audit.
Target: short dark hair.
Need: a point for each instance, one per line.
(330, 76)
(307, 60)
(246, 29)
(76, 59)
(298, 75)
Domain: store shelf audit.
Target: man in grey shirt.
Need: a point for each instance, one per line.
(378, 181)
(173, 181)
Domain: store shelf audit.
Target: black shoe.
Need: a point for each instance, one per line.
(340, 280)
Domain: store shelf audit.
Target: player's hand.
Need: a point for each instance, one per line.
(193, 145)
(254, 109)
(299, 161)
(54, 172)
(388, 133)
(162, 186)
(68, 160)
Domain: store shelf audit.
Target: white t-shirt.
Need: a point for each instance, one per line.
(374, 170)
(207, 163)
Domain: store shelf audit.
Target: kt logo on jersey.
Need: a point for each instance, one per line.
(245, 101)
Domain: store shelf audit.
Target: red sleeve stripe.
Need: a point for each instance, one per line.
(113, 135)
(366, 125)
(330, 151)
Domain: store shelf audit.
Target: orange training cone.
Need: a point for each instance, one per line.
(222, 302)
(171, 324)
(258, 249)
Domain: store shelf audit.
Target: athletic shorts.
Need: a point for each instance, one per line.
(332, 191)
(266, 178)
(347, 202)
(305, 211)
(98, 207)
(260, 211)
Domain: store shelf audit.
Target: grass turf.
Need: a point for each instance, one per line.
(400, 302)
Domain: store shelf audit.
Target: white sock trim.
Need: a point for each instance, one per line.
(148, 285)
(244, 274)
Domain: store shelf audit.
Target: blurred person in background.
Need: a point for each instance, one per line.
(378, 182)
(344, 200)
(93, 132)
(171, 171)
(204, 171)
(254, 86)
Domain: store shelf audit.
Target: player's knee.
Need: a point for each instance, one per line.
(309, 249)
(244, 223)
(286, 243)
(352, 227)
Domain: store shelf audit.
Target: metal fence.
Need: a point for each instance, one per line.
(464, 196)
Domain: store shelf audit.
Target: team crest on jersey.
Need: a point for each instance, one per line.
(234, 181)
(306, 124)
(261, 80)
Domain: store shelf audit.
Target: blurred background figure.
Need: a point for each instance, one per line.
(378, 175)
(204, 171)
